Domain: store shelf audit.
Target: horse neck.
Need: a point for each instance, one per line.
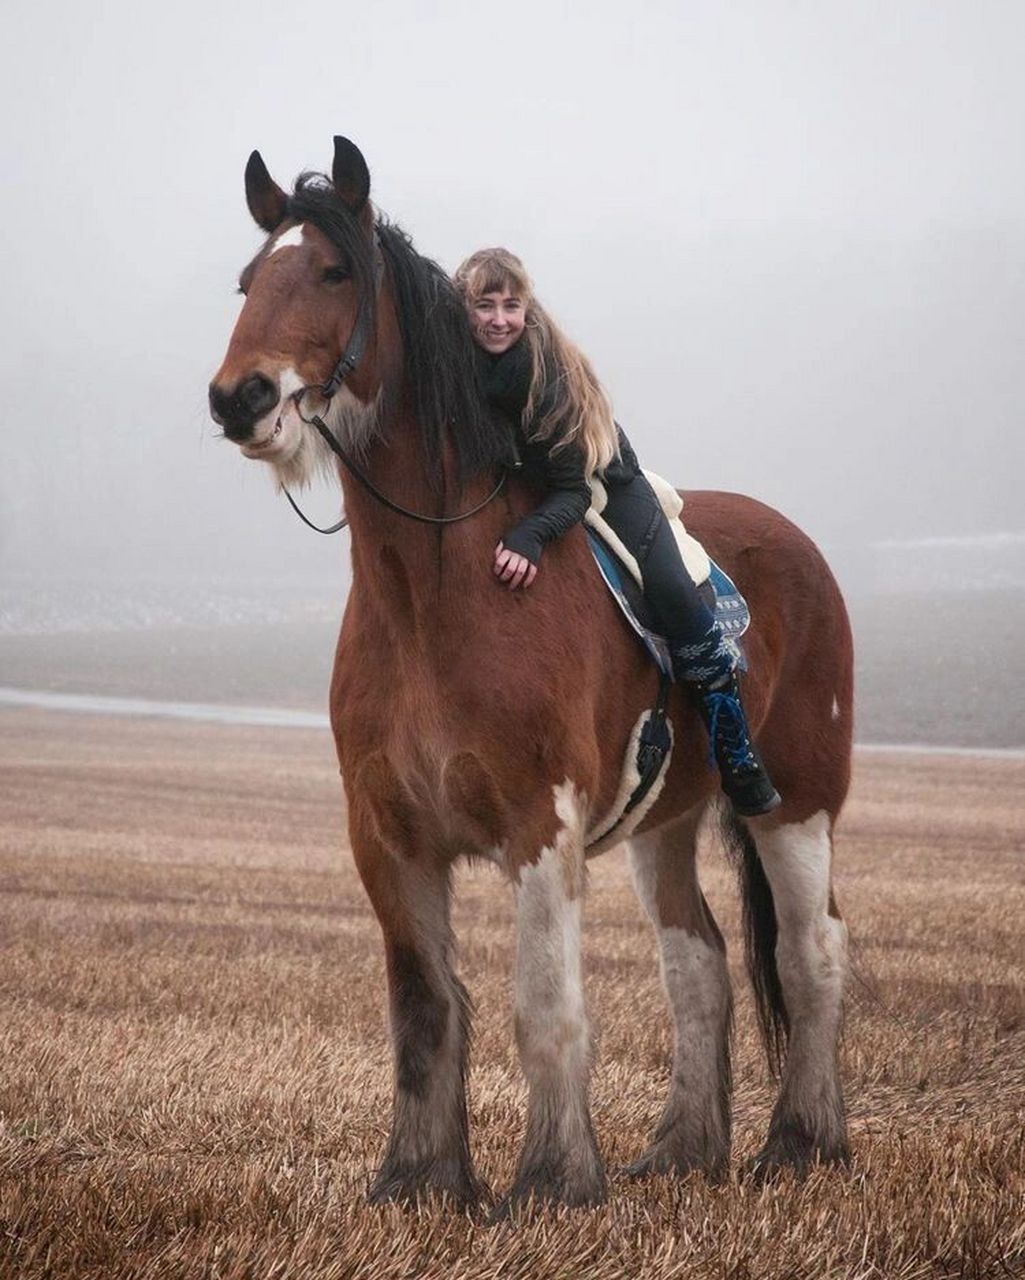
(402, 565)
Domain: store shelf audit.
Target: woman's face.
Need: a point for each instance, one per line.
(497, 320)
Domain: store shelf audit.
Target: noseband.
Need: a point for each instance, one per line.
(348, 362)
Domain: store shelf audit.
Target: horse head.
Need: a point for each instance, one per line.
(310, 298)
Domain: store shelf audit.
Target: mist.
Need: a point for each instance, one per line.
(789, 236)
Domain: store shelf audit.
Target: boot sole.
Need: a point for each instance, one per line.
(772, 803)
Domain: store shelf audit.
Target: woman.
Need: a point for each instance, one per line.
(535, 375)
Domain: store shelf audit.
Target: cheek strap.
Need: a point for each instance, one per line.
(349, 360)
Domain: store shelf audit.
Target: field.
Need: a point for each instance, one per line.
(940, 668)
(196, 1073)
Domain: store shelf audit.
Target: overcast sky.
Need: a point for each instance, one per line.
(790, 235)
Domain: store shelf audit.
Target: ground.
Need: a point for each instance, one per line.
(195, 1071)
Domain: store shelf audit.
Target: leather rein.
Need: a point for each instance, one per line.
(348, 362)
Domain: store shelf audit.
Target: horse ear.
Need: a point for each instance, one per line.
(267, 202)
(350, 175)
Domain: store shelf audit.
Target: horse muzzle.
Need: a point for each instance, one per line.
(238, 409)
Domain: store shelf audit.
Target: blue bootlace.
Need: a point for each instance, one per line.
(727, 721)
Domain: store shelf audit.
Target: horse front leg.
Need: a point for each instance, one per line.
(560, 1161)
(428, 1148)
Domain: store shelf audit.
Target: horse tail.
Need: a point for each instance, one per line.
(759, 913)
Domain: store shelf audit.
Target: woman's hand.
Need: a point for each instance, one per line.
(513, 569)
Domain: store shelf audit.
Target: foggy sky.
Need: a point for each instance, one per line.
(791, 237)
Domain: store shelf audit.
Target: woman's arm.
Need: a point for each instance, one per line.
(566, 500)
(559, 472)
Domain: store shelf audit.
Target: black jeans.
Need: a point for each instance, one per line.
(636, 516)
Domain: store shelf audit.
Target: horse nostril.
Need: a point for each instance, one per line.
(258, 395)
(238, 410)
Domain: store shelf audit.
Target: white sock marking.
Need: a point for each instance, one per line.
(550, 1020)
(811, 952)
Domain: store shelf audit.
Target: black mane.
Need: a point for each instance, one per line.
(439, 352)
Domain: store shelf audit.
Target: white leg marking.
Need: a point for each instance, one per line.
(811, 955)
(551, 1025)
(290, 239)
(836, 708)
(694, 1128)
(696, 982)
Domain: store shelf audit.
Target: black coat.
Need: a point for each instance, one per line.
(557, 469)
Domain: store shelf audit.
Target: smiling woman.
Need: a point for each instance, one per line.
(498, 320)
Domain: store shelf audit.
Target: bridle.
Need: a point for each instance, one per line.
(347, 363)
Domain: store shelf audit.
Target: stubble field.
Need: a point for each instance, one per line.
(195, 1071)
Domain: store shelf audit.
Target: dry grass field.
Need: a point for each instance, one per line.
(195, 1074)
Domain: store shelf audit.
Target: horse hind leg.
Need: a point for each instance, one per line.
(804, 994)
(693, 1132)
(559, 1161)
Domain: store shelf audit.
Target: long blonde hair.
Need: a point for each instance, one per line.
(576, 405)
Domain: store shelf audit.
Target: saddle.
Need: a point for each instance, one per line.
(651, 743)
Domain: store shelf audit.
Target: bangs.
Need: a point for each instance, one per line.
(493, 278)
(493, 271)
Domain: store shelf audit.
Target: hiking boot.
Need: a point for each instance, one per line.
(744, 779)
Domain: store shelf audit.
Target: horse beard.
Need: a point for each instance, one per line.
(355, 427)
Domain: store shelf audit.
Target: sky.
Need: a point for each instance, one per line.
(790, 236)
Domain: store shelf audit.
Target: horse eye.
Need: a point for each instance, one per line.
(334, 275)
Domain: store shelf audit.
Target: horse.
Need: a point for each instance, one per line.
(475, 722)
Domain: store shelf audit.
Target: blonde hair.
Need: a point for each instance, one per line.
(576, 405)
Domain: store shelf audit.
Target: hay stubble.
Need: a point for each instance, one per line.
(195, 1071)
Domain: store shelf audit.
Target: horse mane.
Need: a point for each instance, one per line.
(439, 354)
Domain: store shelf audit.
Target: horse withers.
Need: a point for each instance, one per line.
(475, 722)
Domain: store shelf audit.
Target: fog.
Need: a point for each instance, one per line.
(789, 235)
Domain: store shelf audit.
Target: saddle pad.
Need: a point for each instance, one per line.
(730, 607)
(624, 817)
(694, 555)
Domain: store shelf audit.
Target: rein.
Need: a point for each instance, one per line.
(348, 362)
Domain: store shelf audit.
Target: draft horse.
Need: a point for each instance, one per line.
(475, 722)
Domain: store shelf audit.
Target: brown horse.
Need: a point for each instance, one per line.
(475, 722)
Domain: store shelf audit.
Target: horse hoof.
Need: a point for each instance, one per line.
(532, 1195)
(771, 1164)
(408, 1190)
(659, 1163)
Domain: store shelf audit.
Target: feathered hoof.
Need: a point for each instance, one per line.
(663, 1162)
(532, 1193)
(775, 1160)
(409, 1187)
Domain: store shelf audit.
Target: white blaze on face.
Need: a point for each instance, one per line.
(290, 239)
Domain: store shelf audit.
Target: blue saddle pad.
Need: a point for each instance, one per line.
(730, 607)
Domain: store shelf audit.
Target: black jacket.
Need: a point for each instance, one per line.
(560, 471)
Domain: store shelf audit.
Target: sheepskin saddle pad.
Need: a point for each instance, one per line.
(651, 743)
